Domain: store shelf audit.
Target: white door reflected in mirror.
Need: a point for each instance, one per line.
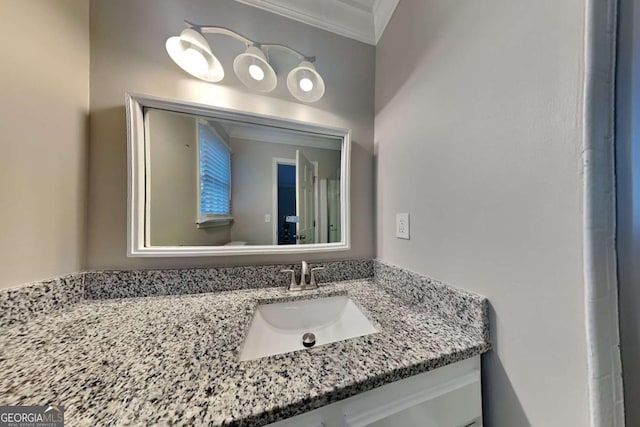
(218, 182)
(306, 195)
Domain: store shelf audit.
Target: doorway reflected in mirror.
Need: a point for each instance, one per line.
(286, 204)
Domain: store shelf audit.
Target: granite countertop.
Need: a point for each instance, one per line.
(174, 359)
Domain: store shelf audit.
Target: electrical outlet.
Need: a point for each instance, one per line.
(267, 217)
(402, 226)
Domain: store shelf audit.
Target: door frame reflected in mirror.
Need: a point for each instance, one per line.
(138, 241)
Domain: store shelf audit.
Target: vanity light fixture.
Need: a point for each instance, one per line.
(305, 83)
(191, 52)
(254, 71)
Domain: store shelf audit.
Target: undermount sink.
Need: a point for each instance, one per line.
(280, 327)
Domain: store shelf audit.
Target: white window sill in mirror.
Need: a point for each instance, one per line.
(214, 222)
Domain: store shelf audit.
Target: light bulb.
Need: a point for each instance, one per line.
(195, 61)
(256, 72)
(306, 85)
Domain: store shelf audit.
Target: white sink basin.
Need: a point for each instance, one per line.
(278, 328)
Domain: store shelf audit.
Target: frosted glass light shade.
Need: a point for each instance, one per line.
(191, 52)
(305, 84)
(254, 71)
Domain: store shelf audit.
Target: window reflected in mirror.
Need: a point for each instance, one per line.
(214, 176)
(219, 182)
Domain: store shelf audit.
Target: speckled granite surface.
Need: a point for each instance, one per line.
(174, 359)
(25, 302)
(22, 303)
(142, 283)
(466, 309)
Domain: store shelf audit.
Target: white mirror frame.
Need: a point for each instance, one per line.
(137, 159)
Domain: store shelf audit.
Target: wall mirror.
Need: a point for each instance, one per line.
(210, 181)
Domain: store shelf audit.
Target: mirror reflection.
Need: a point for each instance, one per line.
(219, 182)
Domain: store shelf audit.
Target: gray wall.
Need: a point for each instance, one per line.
(128, 54)
(252, 186)
(628, 200)
(44, 103)
(478, 135)
(174, 183)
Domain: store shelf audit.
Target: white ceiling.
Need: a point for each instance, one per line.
(363, 20)
(260, 133)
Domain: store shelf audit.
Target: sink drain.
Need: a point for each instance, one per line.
(308, 339)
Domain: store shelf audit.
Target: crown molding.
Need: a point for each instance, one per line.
(382, 13)
(362, 20)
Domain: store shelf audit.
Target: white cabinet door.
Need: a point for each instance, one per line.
(420, 402)
(457, 408)
(447, 397)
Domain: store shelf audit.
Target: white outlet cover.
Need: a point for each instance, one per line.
(402, 226)
(267, 218)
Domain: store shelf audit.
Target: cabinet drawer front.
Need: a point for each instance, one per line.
(455, 403)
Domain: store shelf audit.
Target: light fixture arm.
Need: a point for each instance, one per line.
(209, 29)
(301, 57)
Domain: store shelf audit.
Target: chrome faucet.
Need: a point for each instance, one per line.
(304, 273)
(307, 278)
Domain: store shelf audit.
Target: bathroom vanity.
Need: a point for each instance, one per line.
(175, 359)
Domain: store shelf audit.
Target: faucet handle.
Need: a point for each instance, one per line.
(313, 275)
(293, 278)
